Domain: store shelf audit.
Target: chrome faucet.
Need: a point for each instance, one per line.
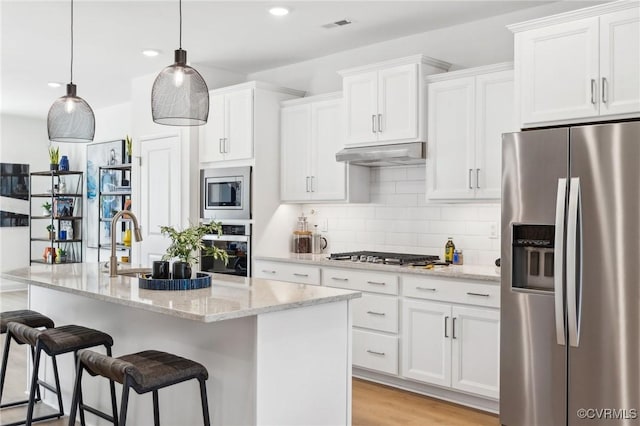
(113, 263)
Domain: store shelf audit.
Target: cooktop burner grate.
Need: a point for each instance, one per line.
(384, 257)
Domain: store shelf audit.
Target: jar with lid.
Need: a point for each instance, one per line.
(302, 241)
(457, 257)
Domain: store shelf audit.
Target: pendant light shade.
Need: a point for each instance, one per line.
(180, 96)
(70, 118)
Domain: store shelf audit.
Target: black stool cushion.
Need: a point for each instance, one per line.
(60, 340)
(149, 370)
(31, 318)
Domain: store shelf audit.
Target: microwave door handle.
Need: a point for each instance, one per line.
(558, 262)
(574, 262)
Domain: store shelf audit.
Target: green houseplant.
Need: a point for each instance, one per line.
(52, 232)
(46, 208)
(129, 148)
(54, 157)
(186, 244)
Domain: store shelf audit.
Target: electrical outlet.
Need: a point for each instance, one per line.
(493, 231)
(324, 226)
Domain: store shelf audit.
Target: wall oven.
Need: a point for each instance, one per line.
(225, 193)
(236, 241)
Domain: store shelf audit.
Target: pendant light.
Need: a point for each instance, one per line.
(70, 118)
(180, 96)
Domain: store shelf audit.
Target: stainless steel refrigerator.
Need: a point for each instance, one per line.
(570, 296)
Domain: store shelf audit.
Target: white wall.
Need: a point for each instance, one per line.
(22, 140)
(399, 219)
(482, 42)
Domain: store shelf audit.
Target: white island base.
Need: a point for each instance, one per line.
(285, 367)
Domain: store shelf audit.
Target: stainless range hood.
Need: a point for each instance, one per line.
(385, 155)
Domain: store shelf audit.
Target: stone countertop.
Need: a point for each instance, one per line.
(228, 297)
(471, 272)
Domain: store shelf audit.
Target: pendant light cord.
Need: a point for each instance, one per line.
(71, 41)
(180, 24)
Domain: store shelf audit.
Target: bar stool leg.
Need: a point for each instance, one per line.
(205, 403)
(5, 357)
(76, 392)
(124, 402)
(112, 386)
(34, 385)
(58, 391)
(33, 357)
(156, 409)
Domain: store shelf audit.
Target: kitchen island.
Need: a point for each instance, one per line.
(277, 353)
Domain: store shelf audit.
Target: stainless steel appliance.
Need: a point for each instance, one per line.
(570, 296)
(225, 193)
(384, 257)
(385, 155)
(236, 241)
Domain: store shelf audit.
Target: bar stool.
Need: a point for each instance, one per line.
(145, 371)
(53, 342)
(32, 319)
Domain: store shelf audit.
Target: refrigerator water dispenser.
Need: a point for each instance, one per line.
(533, 257)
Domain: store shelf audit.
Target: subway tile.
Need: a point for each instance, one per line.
(411, 226)
(490, 212)
(450, 228)
(423, 213)
(401, 239)
(368, 237)
(387, 212)
(459, 212)
(417, 173)
(487, 257)
(361, 212)
(343, 236)
(473, 242)
(405, 200)
(351, 224)
(478, 228)
(374, 225)
(393, 173)
(410, 187)
(383, 188)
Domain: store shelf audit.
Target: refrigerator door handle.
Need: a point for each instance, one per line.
(574, 262)
(558, 261)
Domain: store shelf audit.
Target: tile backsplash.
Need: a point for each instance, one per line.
(400, 219)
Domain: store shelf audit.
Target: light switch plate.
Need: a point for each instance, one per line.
(493, 230)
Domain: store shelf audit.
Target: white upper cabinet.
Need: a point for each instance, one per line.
(467, 114)
(385, 102)
(311, 135)
(579, 66)
(228, 134)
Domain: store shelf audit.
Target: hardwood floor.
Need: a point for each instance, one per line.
(373, 404)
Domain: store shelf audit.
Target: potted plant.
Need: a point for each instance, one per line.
(46, 208)
(129, 148)
(52, 231)
(186, 244)
(54, 157)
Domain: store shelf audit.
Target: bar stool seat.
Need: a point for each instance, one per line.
(145, 371)
(53, 342)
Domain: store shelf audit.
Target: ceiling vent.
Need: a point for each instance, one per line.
(336, 24)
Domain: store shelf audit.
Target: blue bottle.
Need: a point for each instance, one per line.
(64, 163)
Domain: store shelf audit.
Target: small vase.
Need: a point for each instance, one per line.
(181, 270)
(64, 163)
(54, 167)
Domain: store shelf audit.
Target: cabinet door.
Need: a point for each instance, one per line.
(558, 71)
(426, 342)
(361, 107)
(212, 134)
(239, 125)
(494, 116)
(328, 177)
(398, 104)
(450, 155)
(620, 62)
(476, 351)
(295, 149)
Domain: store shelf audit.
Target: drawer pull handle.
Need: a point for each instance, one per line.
(446, 321)
(300, 275)
(453, 334)
(376, 283)
(425, 289)
(268, 272)
(376, 313)
(477, 294)
(375, 352)
(340, 279)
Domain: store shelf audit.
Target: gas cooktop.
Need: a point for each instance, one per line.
(383, 257)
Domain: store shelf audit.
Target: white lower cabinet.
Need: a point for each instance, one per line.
(375, 351)
(451, 345)
(291, 272)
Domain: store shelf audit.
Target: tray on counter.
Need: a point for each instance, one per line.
(202, 280)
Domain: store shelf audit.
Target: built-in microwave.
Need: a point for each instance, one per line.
(225, 193)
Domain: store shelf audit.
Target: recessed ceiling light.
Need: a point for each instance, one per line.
(54, 84)
(150, 52)
(279, 11)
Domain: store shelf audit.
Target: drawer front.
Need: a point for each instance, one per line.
(374, 282)
(377, 312)
(375, 351)
(451, 290)
(291, 272)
